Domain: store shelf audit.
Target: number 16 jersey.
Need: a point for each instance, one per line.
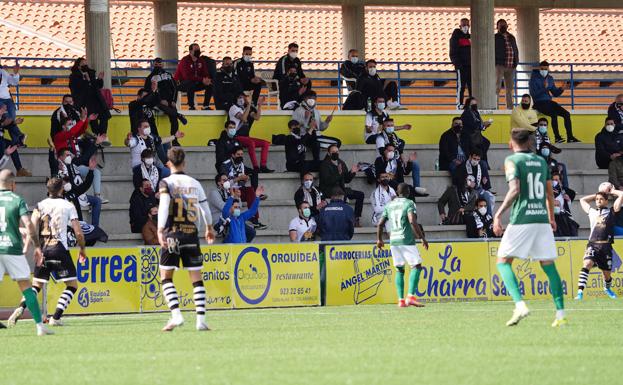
(533, 173)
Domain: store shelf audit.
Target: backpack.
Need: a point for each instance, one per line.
(108, 99)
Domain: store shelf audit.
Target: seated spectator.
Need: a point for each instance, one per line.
(541, 136)
(566, 226)
(75, 187)
(288, 61)
(243, 114)
(615, 112)
(142, 199)
(371, 86)
(524, 116)
(245, 71)
(480, 223)
(451, 154)
(150, 228)
(192, 75)
(217, 198)
(291, 89)
(238, 173)
(166, 86)
(144, 108)
(232, 213)
(381, 196)
(310, 121)
(5, 121)
(608, 144)
(352, 69)
(296, 148)
(461, 201)
(143, 139)
(303, 227)
(310, 194)
(374, 120)
(554, 165)
(542, 89)
(336, 221)
(225, 144)
(227, 86)
(148, 170)
(334, 173)
(473, 127)
(392, 163)
(477, 168)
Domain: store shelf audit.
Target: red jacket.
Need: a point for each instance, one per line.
(187, 69)
(67, 139)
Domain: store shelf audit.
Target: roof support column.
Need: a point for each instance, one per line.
(353, 29)
(165, 23)
(528, 45)
(483, 53)
(97, 35)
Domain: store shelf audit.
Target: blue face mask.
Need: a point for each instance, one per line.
(231, 132)
(543, 130)
(306, 212)
(236, 213)
(545, 152)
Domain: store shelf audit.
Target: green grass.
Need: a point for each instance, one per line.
(452, 343)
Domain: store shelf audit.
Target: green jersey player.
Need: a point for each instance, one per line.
(529, 234)
(400, 214)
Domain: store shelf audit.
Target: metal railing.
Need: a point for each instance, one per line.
(421, 85)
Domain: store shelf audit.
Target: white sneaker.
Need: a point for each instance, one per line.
(202, 327)
(172, 324)
(104, 200)
(55, 322)
(518, 315)
(42, 330)
(392, 105)
(17, 314)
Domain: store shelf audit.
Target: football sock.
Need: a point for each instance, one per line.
(400, 281)
(608, 284)
(23, 303)
(170, 294)
(414, 278)
(555, 285)
(582, 278)
(63, 301)
(32, 304)
(510, 281)
(199, 297)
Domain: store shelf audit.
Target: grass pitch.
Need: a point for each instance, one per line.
(451, 343)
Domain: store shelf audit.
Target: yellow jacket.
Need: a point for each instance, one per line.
(523, 119)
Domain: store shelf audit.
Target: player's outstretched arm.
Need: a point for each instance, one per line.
(617, 202)
(549, 202)
(33, 235)
(585, 202)
(379, 233)
(75, 225)
(511, 195)
(417, 230)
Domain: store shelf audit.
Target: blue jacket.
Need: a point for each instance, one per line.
(237, 232)
(336, 222)
(538, 91)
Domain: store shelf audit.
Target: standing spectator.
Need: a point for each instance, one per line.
(608, 144)
(144, 108)
(374, 120)
(524, 116)
(291, 89)
(451, 153)
(5, 144)
(461, 201)
(461, 58)
(310, 194)
(372, 86)
(227, 86)
(381, 196)
(243, 114)
(143, 139)
(473, 127)
(335, 173)
(225, 144)
(75, 187)
(352, 69)
(150, 228)
(506, 60)
(480, 223)
(303, 227)
(6, 99)
(193, 75)
(231, 212)
(477, 168)
(166, 87)
(291, 60)
(245, 71)
(217, 199)
(86, 89)
(296, 148)
(142, 200)
(615, 112)
(336, 221)
(148, 170)
(310, 121)
(542, 89)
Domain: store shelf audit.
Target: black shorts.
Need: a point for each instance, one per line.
(600, 254)
(57, 262)
(184, 246)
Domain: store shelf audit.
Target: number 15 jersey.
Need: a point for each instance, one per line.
(186, 194)
(533, 173)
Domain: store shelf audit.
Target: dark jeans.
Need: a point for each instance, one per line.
(257, 89)
(391, 90)
(100, 125)
(171, 111)
(463, 80)
(96, 209)
(190, 87)
(554, 110)
(358, 197)
(4, 143)
(53, 162)
(304, 166)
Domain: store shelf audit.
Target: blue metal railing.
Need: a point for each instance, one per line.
(420, 84)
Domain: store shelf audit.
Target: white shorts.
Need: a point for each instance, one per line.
(14, 265)
(405, 254)
(530, 241)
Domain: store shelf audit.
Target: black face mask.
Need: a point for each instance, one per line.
(158, 70)
(474, 107)
(197, 53)
(227, 69)
(154, 218)
(238, 159)
(525, 106)
(335, 156)
(457, 128)
(384, 182)
(503, 28)
(84, 67)
(619, 105)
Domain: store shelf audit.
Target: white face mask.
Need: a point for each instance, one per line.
(146, 131)
(70, 124)
(240, 102)
(293, 55)
(67, 160)
(389, 129)
(610, 128)
(149, 161)
(482, 210)
(555, 183)
(544, 73)
(474, 162)
(380, 106)
(67, 187)
(226, 185)
(247, 58)
(556, 210)
(372, 71)
(354, 59)
(543, 129)
(231, 132)
(308, 184)
(311, 102)
(465, 29)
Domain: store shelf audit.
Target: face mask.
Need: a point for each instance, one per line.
(149, 161)
(197, 53)
(619, 105)
(545, 152)
(236, 213)
(474, 162)
(543, 129)
(148, 190)
(384, 182)
(609, 128)
(306, 212)
(372, 71)
(226, 185)
(293, 55)
(238, 160)
(154, 218)
(380, 106)
(482, 210)
(231, 132)
(240, 102)
(70, 124)
(465, 29)
(474, 107)
(525, 106)
(311, 102)
(389, 156)
(67, 187)
(146, 131)
(335, 156)
(84, 67)
(470, 185)
(292, 75)
(555, 183)
(389, 129)
(308, 184)
(457, 128)
(543, 73)
(227, 69)
(67, 160)
(556, 210)
(503, 28)
(354, 59)
(247, 58)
